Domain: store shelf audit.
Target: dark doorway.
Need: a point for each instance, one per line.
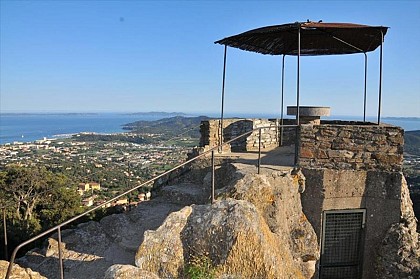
(342, 244)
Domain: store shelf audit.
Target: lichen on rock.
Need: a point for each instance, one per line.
(236, 238)
(19, 272)
(276, 196)
(399, 253)
(161, 251)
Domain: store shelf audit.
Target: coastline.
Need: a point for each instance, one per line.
(30, 127)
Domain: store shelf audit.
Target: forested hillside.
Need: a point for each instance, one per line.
(412, 142)
(168, 127)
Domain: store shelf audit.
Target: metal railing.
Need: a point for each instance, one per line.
(59, 226)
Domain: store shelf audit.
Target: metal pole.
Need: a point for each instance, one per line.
(298, 80)
(380, 79)
(212, 177)
(259, 150)
(128, 176)
(223, 102)
(282, 101)
(6, 252)
(60, 255)
(365, 89)
(297, 99)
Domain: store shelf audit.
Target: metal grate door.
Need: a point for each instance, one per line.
(342, 244)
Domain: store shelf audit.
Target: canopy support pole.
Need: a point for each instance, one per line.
(365, 90)
(223, 103)
(380, 79)
(282, 101)
(297, 99)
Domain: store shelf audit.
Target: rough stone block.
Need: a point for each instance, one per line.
(306, 153)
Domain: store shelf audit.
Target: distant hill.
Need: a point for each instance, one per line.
(412, 142)
(159, 113)
(168, 127)
(189, 126)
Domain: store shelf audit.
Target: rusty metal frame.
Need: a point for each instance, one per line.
(298, 54)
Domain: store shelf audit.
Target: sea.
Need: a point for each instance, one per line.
(28, 127)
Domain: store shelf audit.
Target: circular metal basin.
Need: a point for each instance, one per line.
(309, 111)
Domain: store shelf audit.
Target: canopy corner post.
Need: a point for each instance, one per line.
(297, 97)
(380, 77)
(223, 102)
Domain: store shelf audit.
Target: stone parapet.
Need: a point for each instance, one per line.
(232, 128)
(352, 146)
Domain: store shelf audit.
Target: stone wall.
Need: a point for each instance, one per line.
(210, 133)
(379, 193)
(344, 146)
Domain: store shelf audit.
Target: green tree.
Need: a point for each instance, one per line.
(38, 197)
(61, 204)
(35, 199)
(25, 188)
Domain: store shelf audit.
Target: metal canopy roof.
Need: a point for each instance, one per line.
(316, 38)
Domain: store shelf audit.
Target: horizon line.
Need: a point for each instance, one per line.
(230, 114)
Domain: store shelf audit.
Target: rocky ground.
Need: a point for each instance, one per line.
(19, 272)
(255, 229)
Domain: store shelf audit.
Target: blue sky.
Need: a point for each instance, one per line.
(112, 56)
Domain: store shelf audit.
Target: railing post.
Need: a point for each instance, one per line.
(259, 150)
(60, 255)
(212, 177)
(6, 252)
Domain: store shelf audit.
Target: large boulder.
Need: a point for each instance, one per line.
(230, 235)
(276, 195)
(19, 272)
(234, 237)
(255, 230)
(162, 250)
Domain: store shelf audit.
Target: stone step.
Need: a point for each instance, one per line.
(185, 194)
(92, 247)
